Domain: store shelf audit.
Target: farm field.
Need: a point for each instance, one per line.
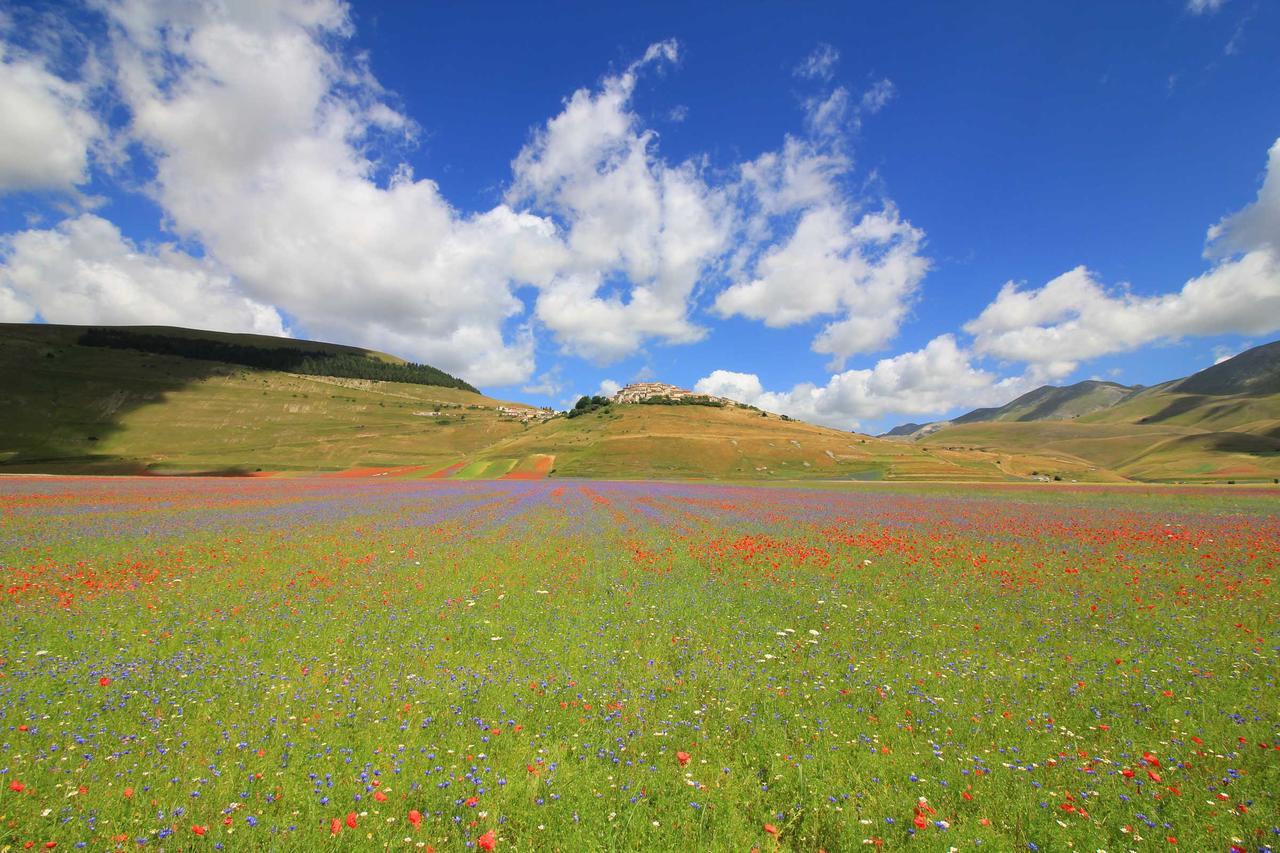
(351, 663)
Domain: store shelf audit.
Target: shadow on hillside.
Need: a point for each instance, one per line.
(1227, 442)
(1180, 406)
(63, 402)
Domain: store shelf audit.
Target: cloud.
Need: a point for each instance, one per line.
(1047, 330)
(270, 145)
(639, 232)
(865, 271)
(934, 379)
(47, 131)
(548, 383)
(880, 94)
(1221, 353)
(85, 272)
(1203, 7)
(608, 387)
(263, 137)
(1257, 226)
(820, 64)
(1073, 317)
(809, 249)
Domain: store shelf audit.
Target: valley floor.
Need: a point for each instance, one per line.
(372, 662)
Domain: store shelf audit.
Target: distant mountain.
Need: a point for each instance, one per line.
(902, 429)
(1221, 423)
(1053, 403)
(1046, 403)
(1255, 372)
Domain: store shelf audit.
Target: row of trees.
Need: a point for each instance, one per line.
(346, 365)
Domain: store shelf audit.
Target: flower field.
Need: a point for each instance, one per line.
(308, 664)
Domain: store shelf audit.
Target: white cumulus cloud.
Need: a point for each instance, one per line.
(865, 271)
(640, 232)
(85, 272)
(260, 131)
(934, 379)
(46, 127)
(1073, 317)
(271, 149)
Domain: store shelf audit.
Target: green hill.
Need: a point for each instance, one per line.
(163, 400)
(75, 407)
(730, 442)
(1222, 423)
(1255, 372)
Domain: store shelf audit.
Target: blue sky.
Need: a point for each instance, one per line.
(859, 214)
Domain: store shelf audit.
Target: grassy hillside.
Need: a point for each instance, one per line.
(1222, 423)
(1255, 371)
(1050, 403)
(75, 408)
(648, 441)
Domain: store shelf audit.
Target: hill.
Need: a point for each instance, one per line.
(909, 428)
(1053, 403)
(162, 400)
(1221, 423)
(1255, 372)
(76, 407)
(640, 440)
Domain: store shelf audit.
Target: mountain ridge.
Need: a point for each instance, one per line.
(1254, 372)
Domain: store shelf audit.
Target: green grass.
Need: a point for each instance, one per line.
(825, 659)
(485, 469)
(74, 408)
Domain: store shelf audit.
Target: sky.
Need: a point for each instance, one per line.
(858, 214)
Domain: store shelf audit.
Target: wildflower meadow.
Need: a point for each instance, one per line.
(306, 664)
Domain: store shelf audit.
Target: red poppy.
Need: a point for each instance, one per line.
(103, 681)
(488, 841)
(17, 786)
(683, 757)
(771, 829)
(351, 820)
(128, 792)
(199, 830)
(379, 796)
(472, 802)
(335, 826)
(415, 818)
